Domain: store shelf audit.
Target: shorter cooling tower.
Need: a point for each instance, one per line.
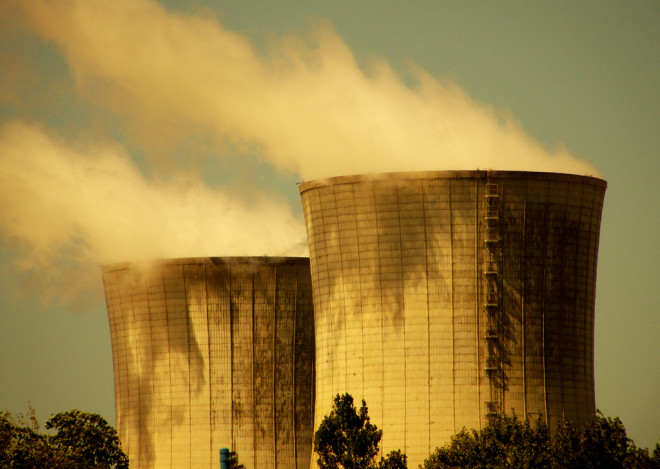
(211, 353)
(442, 298)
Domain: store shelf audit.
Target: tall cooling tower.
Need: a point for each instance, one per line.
(211, 353)
(444, 297)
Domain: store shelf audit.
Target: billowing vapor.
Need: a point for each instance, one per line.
(73, 207)
(305, 104)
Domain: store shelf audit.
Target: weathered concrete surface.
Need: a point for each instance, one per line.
(211, 353)
(437, 313)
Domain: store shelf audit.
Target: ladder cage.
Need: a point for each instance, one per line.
(493, 365)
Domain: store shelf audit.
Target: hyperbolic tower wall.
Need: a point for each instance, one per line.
(444, 297)
(211, 353)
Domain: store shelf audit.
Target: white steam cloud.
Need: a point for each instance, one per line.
(84, 207)
(306, 104)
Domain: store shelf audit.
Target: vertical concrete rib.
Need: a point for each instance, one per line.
(274, 375)
(231, 359)
(477, 305)
(403, 327)
(294, 381)
(189, 333)
(522, 316)
(359, 304)
(208, 364)
(169, 410)
(381, 398)
(562, 334)
(253, 404)
(428, 324)
(340, 299)
(453, 310)
(543, 318)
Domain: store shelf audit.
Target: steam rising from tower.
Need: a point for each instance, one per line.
(304, 103)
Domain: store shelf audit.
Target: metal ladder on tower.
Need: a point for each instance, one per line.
(492, 300)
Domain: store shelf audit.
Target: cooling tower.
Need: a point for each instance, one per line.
(444, 297)
(211, 353)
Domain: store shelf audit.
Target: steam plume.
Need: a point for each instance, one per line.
(306, 105)
(68, 208)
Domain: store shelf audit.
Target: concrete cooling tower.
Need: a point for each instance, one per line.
(442, 298)
(211, 353)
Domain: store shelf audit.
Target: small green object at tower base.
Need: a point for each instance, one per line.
(224, 458)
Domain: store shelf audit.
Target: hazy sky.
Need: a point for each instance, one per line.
(134, 130)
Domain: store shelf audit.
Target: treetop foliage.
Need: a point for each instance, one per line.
(82, 440)
(508, 442)
(347, 439)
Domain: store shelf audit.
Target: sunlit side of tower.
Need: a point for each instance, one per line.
(211, 353)
(442, 298)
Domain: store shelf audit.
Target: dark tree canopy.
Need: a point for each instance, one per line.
(507, 442)
(347, 439)
(394, 460)
(82, 440)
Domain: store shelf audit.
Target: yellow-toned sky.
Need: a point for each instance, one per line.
(134, 130)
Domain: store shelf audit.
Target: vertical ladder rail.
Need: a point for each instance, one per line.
(492, 299)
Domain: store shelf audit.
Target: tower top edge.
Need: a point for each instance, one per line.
(217, 261)
(484, 175)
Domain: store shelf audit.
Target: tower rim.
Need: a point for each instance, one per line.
(396, 177)
(210, 260)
